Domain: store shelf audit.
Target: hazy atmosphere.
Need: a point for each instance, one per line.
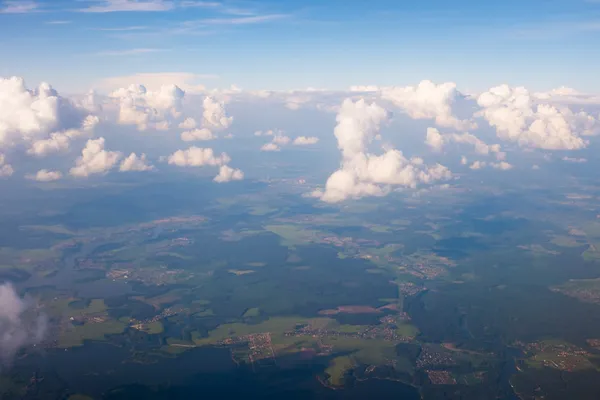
(311, 199)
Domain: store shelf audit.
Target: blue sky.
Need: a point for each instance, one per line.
(290, 44)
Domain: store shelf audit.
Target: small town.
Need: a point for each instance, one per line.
(561, 356)
(440, 377)
(431, 358)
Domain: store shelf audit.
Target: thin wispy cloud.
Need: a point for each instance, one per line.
(556, 29)
(122, 29)
(18, 7)
(171, 31)
(257, 19)
(106, 6)
(208, 26)
(237, 11)
(201, 4)
(59, 22)
(216, 6)
(128, 52)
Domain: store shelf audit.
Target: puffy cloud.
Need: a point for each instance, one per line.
(281, 140)
(154, 81)
(197, 157)
(363, 174)
(227, 174)
(95, 159)
(463, 160)
(162, 126)
(20, 325)
(89, 123)
(502, 165)
(357, 124)
(143, 108)
(61, 141)
(428, 101)
(270, 147)
(478, 165)
(516, 117)
(306, 140)
(133, 162)
(26, 112)
(480, 146)
(566, 95)
(197, 134)
(90, 102)
(436, 141)
(57, 142)
(44, 175)
(188, 123)
(5, 169)
(27, 116)
(270, 132)
(364, 88)
(214, 114)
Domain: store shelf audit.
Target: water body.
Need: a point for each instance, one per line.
(98, 367)
(101, 370)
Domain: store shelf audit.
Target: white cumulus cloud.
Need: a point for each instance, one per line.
(214, 114)
(502, 165)
(44, 175)
(306, 140)
(133, 162)
(434, 139)
(197, 134)
(270, 132)
(197, 157)
(27, 116)
(270, 147)
(437, 141)
(428, 101)
(517, 117)
(188, 123)
(278, 140)
(281, 140)
(227, 174)
(20, 325)
(478, 165)
(362, 174)
(148, 109)
(61, 141)
(95, 159)
(5, 169)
